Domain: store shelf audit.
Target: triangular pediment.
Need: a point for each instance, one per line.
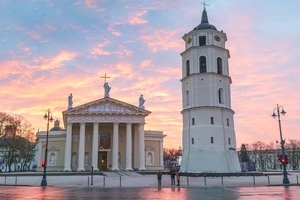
(107, 106)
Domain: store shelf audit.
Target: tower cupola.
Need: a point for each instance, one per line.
(204, 22)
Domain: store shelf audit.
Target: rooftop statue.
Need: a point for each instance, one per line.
(70, 101)
(106, 90)
(141, 101)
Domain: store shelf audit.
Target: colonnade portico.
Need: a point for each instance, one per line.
(104, 134)
(95, 146)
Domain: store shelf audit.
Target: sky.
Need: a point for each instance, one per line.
(51, 48)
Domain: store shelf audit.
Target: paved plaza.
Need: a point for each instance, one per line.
(138, 193)
(133, 179)
(135, 186)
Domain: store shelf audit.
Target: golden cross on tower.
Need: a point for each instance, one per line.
(105, 77)
(204, 4)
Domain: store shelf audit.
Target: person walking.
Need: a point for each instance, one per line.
(173, 173)
(178, 178)
(159, 176)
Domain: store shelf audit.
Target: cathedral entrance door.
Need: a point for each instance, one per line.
(102, 160)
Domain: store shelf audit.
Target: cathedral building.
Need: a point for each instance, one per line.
(105, 134)
(209, 143)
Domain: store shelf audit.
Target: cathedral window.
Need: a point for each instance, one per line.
(221, 96)
(229, 142)
(187, 98)
(192, 140)
(202, 40)
(212, 140)
(211, 120)
(187, 68)
(219, 65)
(227, 122)
(202, 62)
(193, 121)
(105, 140)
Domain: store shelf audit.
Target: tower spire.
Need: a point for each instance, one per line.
(204, 4)
(204, 20)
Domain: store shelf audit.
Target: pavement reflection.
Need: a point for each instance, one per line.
(174, 193)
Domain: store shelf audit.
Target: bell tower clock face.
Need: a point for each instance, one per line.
(217, 38)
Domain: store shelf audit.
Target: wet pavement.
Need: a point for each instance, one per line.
(135, 186)
(174, 193)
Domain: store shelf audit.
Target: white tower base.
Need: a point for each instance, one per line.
(220, 161)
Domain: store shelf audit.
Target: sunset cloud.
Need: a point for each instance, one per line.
(138, 18)
(161, 39)
(98, 50)
(57, 61)
(50, 50)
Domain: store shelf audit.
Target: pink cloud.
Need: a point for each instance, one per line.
(137, 18)
(111, 28)
(161, 39)
(10, 67)
(90, 3)
(99, 51)
(29, 33)
(55, 62)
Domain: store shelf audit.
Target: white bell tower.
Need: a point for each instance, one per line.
(209, 143)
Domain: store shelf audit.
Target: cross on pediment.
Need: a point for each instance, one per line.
(105, 77)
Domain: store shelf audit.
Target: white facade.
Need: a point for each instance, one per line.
(209, 143)
(105, 134)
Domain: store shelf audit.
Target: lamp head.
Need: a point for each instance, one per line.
(274, 115)
(51, 119)
(283, 112)
(45, 116)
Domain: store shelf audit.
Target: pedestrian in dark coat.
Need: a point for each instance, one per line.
(178, 178)
(159, 176)
(173, 173)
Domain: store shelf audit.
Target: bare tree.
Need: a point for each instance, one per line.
(16, 141)
(293, 152)
(170, 157)
(265, 156)
(260, 154)
(5, 121)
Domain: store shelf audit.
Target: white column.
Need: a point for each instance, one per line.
(81, 148)
(128, 147)
(161, 154)
(68, 148)
(39, 154)
(95, 147)
(141, 147)
(115, 147)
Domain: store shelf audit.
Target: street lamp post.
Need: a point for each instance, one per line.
(280, 110)
(48, 117)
